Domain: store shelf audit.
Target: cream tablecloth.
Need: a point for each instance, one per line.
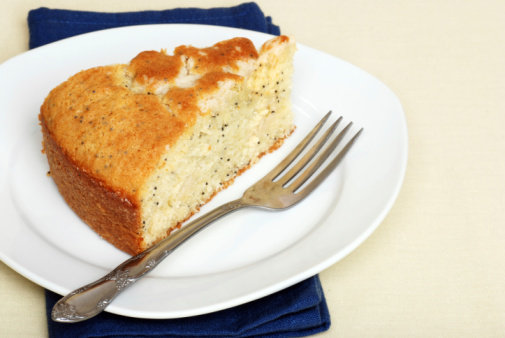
(436, 265)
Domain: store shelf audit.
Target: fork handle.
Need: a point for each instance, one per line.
(90, 300)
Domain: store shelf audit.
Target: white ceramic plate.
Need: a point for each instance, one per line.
(244, 256)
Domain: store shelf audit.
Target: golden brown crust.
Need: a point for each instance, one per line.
(107, 130)
(224, 54)
(109, 213)
(152, 66)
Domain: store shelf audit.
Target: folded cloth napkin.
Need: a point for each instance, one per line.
(48, 25)
(297, 311)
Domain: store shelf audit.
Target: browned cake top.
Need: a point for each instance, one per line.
(118, 133)
(223, 56)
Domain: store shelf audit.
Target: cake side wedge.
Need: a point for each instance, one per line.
(136, 149)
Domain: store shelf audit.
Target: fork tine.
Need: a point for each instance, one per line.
(319, 161)
(272, 175)
(309, 155)
(328, 169)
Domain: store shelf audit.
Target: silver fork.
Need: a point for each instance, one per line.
(272, 192)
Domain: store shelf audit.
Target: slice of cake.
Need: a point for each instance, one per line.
(136, 149)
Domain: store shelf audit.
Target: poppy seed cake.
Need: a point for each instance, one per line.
(136, 149)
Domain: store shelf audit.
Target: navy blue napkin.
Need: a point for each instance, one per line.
(48, 25)
(297, 311)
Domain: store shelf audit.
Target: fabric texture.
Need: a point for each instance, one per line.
(297, 311)
(48, 25)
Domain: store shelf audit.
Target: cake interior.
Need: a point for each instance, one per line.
(240, 121)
